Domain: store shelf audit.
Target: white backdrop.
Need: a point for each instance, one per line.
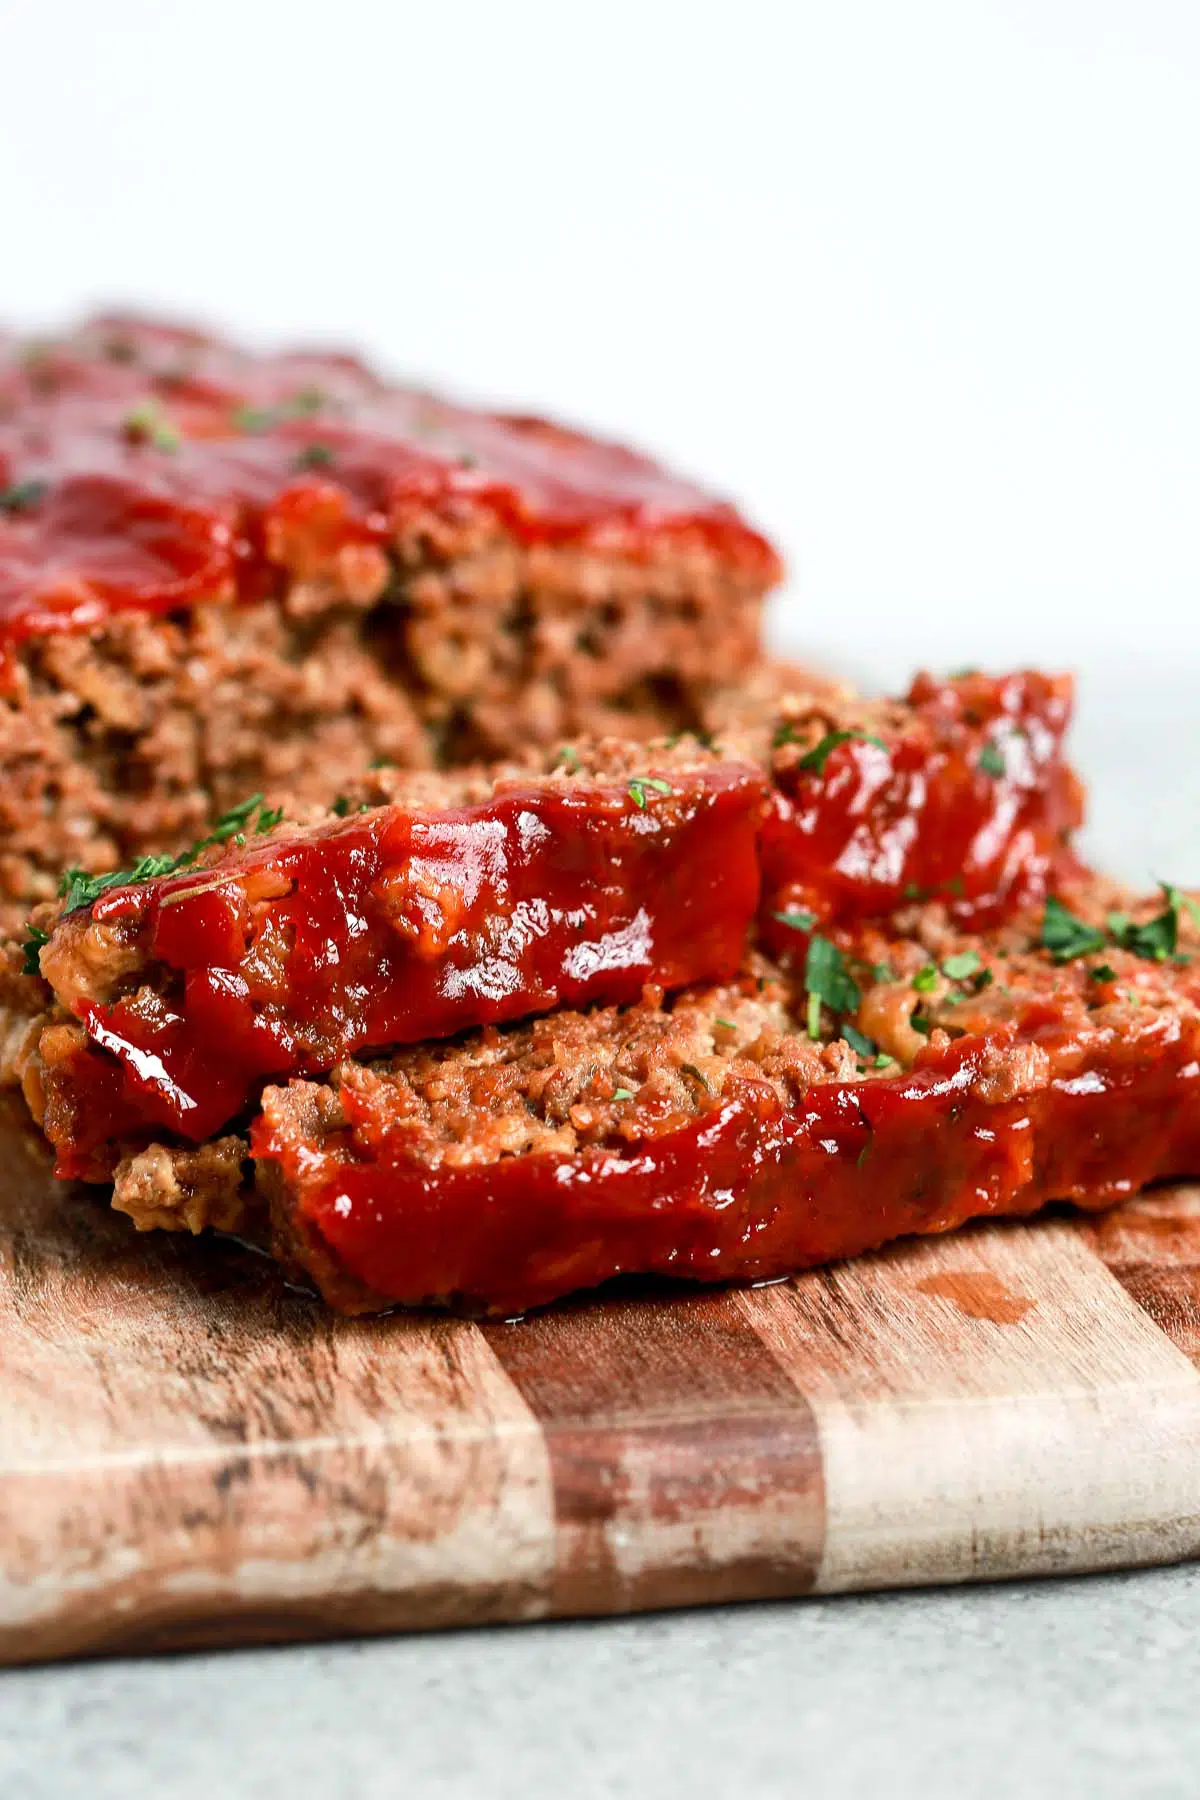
(918, 283)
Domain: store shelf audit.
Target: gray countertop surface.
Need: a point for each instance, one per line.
(1024, 1689)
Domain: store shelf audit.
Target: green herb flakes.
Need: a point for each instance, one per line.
(35, 937)
(79, 889)
(1067, 937)
(858, 1041)
(818, 756)
(148, 424)
(962, 966)
(925, 980)
(637, 789)
(313, 456)
(796, 919)
(23, 496)
(991, 760)
(826, 981)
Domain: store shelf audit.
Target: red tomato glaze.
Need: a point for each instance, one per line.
(392, 927)
(752, 1190)
(147, 467)
(968, 801)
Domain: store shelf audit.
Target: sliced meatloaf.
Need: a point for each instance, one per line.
(466, 901)
(476, 899)
(902, 1080)
(223, 572)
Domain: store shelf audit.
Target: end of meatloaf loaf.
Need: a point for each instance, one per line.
(223, 572)
(908, 1079)
(469, 900)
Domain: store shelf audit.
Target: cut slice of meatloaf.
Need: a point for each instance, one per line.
(484, 898)
(469, 900)
(959, 792)
(906, 1082)
(222, 572)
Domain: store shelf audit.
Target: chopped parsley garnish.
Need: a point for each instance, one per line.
(784, 733)
(962, 966)
(23, 496)
(1102, 972)
(622, 1094)
(819, 755)
(637, 789)
(921, 1022)
(925, 980)
(313, 456)
(1156, 940)
(81, 889)
(858, 1042)
(884, 1061)
(694, 1072)
(147, 424)
(569, 758)
(382, 762)
(340, 805)
(78, 888)
(35, 937)
(826, 981)
(267, 820)
(1067, 937)
(796, 919)
(991, 760)
(725, 1024)
(263, 418)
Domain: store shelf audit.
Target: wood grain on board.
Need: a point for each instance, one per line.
(191, 1453)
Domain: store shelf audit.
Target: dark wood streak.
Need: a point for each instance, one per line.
(685, 1464)
(192, 1453)
(1152, 1246)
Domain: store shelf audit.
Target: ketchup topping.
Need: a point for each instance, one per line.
(968, 801)
(145, 467)
(393, 927)
(755, 1188)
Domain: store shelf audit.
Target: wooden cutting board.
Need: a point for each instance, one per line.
(190, 1453)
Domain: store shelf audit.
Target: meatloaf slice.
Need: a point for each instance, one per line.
(958, 792)
(468, 900)
(906, 1081)
(223, 572)
(484, 898)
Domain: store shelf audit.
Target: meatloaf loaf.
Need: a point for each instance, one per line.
(472, 900)
(898, 1080)
(224, 572)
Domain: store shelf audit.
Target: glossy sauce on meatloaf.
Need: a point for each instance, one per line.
(716, 1137)
(145, 467)
(388, 926)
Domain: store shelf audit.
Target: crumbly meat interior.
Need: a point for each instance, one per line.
(461, 648)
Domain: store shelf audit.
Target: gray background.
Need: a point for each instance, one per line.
(1086, 1686)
